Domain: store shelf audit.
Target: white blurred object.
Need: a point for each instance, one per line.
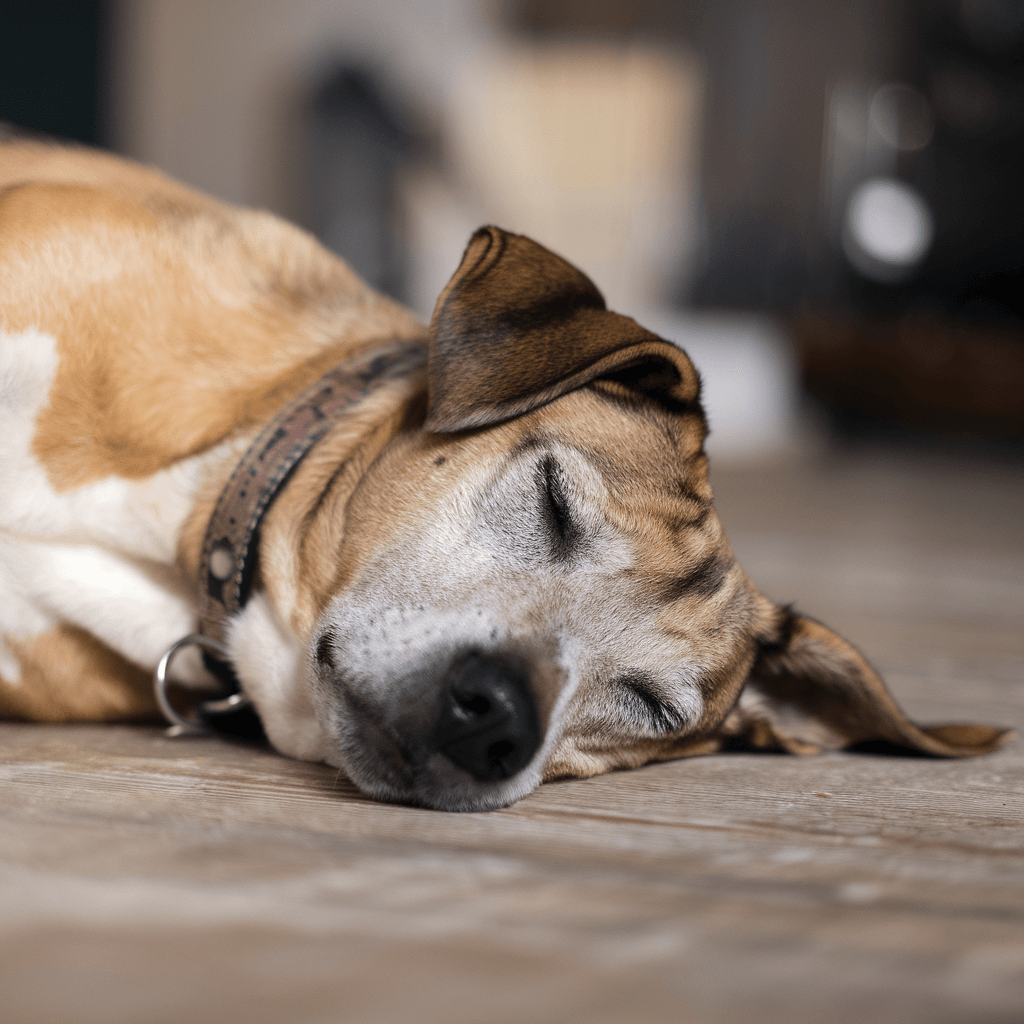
(888, 229)
(884, 225)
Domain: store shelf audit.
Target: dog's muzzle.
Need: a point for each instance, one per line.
(488, 722)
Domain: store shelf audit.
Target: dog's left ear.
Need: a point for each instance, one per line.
(518, 326)
(809, 689)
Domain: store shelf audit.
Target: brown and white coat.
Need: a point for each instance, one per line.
(536, 501)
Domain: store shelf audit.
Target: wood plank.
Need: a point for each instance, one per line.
(144, 879)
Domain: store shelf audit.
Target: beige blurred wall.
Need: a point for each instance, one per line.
(208, 89)
(589, 147)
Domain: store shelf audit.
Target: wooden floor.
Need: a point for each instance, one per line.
(150, 880)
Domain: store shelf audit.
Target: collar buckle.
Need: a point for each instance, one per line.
(200, 722)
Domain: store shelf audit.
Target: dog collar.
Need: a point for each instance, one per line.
(229, 555)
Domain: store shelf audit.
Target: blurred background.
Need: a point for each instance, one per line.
(820, 200)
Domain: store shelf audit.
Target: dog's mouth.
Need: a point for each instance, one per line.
(468, 740)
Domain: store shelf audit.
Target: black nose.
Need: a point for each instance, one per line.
(488, 722)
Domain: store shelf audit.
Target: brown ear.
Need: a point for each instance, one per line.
(517, 327)
(809, 689)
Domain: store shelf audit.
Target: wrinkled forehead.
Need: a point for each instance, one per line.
(657, 492)
(639, 449)
(632, 485)
(649, 467)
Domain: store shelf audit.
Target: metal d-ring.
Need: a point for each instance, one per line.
(180, 725)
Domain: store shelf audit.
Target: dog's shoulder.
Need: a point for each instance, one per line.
(168, 320)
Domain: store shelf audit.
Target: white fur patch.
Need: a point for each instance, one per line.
(100, 557)
(136, 609)
(139, 517)
(271, 667)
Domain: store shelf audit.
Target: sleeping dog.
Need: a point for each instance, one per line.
(488, 555)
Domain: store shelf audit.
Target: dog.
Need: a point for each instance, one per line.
(499, 564)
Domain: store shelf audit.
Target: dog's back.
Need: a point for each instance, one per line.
(144, 331)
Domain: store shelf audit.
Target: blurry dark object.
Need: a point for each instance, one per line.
(771, 67)
(971, 68)
(911, 196)
(52, 64)
(942, 163)
(920, 371)
(953, 138)
(863, 163)
(356, 148)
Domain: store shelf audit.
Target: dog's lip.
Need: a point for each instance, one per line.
(416, 782)
(382, 743)
(390, 766)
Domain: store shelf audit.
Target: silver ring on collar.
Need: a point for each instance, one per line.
(180, 725)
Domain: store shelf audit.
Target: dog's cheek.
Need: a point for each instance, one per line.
(568, 761)
(271, 666)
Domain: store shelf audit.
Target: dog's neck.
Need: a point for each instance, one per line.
(299, 533)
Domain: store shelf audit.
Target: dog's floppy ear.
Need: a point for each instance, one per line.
(518, 326)
(809, 689)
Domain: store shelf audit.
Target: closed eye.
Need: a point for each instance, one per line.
(647, 710)
(558, 515)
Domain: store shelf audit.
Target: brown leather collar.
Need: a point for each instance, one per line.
(230, 549)
(228, 561)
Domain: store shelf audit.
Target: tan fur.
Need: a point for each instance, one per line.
(179, 322)
(145, 285)
(69, 676)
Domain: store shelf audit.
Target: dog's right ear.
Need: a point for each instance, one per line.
(810, 689)
(518, 326)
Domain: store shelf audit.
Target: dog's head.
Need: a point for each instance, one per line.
(535, 583)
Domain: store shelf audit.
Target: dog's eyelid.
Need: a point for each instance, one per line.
(554, 483)
(557, 509)
(324, 650)
(643, 696)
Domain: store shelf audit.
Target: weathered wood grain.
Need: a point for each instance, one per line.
(144, 879)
